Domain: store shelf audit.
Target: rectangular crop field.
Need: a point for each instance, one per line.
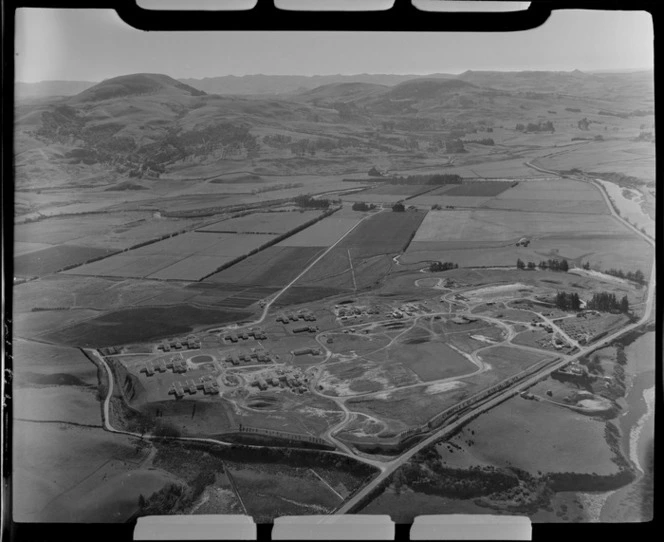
(274, 266)
(323, 233)
(189, 256)
(276, 223)
(49, 260)
(478, 188)
(464, 226)
(384, 233)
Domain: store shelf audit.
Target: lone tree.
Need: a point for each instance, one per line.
(624, 305)
(398, 207)
(520, 264)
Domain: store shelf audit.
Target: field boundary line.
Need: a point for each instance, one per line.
(352, 271)
(234, 486)
(328, 485)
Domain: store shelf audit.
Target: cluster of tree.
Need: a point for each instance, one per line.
(398, 207)
(373, 172)
(568, 302)
(634, 276)
(175, 498)
(361, 206)
(553, 265)
(541, 126)
(312, 203)
(583, 124)
(573, 109)
(608, 302)
(436, 267)
(468, 483)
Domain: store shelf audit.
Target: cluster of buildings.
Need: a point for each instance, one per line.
(305, 351)
(260, 356)
(175, 364)
(207, 384)
(254, 333)
(305, 329)
(296, 382)
(191, 343)
(350, 311)
(303, 314)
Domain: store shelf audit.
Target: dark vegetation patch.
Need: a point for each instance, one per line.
(384, 233)
(142, 324)
(55, 379)
(275, 266)
(49, 260)
(128, 185)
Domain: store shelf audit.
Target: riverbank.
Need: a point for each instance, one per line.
(633, 502)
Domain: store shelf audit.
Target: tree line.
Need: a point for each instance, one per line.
(436, 267)
(634, 276)
(600, 301)
(553, 265)
(542, 126)
(312, 203)
(361, 206)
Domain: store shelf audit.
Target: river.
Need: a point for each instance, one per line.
(633, 502)
(630, 203)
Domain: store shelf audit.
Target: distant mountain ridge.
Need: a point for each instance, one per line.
(292, 84)
(138, 84)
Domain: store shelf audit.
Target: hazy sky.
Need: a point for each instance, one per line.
(91, 45)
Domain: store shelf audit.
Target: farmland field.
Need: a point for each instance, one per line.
(190, 256)
(323, 233)
(383, 233)
(142, 324)
(274, 266)
(83, 475)
(457, 235)
(276, 222)
(478, 188)
(470, 227)
(49, 260)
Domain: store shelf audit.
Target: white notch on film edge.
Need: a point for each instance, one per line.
(197, 5)
(203, 527)
(342, 527)
(471, 527)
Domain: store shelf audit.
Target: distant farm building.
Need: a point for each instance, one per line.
(305, 351)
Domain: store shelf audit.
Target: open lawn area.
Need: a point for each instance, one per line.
(535, 436)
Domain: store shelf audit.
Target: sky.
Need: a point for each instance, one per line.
(92, 45)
